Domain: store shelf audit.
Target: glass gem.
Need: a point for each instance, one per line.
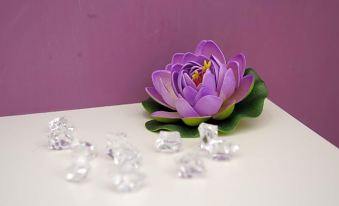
(169, 142)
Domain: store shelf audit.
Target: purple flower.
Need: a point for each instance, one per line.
(199, 86)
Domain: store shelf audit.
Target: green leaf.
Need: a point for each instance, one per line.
(225, 111)
(194, 121)
(251, 106)
(152, 106)
(185, 131)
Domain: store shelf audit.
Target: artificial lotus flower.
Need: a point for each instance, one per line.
(200, 85)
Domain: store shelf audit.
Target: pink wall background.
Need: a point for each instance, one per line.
(67, 54)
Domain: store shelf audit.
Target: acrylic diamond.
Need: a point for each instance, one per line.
(123, 154)
(191, 165)
(60, 136)
(78, 171)
(128, 181)
(219, 149)
(84, 149)
(207, 133)
(168, 142)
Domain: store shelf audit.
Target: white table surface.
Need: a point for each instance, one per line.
(281, 162)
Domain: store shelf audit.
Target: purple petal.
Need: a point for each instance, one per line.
(157, 76)
(179, 81)
(246, 85)
(177, 58)
(215, 68)
(228, 85)
(185, 109)
(234, 65)
(240, 58)
(189, 94)
(174, 78)
(189, 81)
(208, 48)
(189, 57)
(168, 67)
(222, 72)
(167, 92)
(203, 91)
(209, 80)
(151, 91)
(164, 114)
(208, 105)
(176, 67)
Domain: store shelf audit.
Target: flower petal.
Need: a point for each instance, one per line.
(189, 81)
(152, 92)
(157, 76)
(167, 93)
(194, 121)
(222, 72)
(208, 105)
(177, 58)
(166, 117)
(245, 88)
(174, 78)
(240, 58)
(234, 65)
(168, 67)
(184, 108)
(208, 48)
(225, 111)
(228, 85)
(209, 80)
(189, 94)
(204, 91)
(188, 57)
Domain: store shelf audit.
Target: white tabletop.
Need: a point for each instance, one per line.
(281, 162)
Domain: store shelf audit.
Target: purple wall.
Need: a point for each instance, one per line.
(64, 54)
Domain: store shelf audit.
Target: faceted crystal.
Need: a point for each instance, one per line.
(59, 122)
(123, 154)
(85, 150)
(128, 181)
(78, 171)
(191, 165)
(60, 136)
(168, 142)
(219, 149)
(207, 133)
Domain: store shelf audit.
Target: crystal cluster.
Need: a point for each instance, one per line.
(123, 154)
(84, 150)
(83, 153)
(215, 147)
(168, 142)
(60, 135)
(190, 165)
(128, 181)
(127, 176)
(78, 170)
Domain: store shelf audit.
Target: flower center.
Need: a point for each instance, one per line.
(198, 76)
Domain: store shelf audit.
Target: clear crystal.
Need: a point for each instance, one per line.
(128, 181)
(60, 136)
(219, 149)
(207, 133)
(123, 154)
(59, 122)
(168, 142)
(191, 165)
(84, 149)
(78, 171)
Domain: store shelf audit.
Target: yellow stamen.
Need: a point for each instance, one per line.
(206, 66)
(195, 75)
